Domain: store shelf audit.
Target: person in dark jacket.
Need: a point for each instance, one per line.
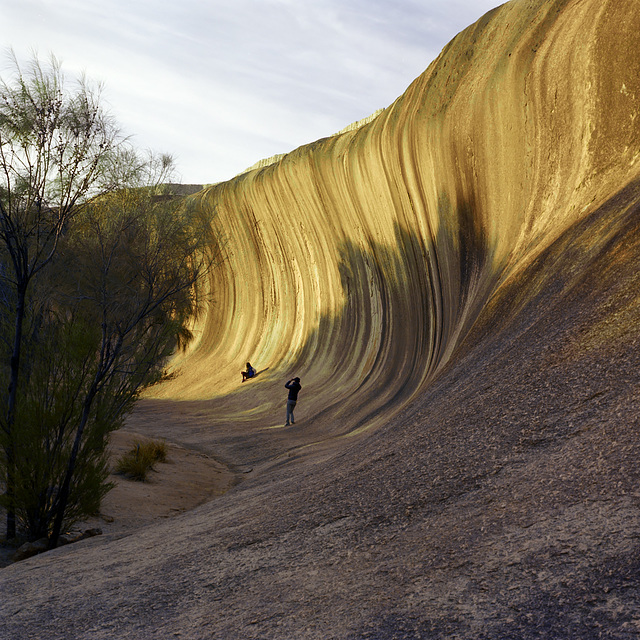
(249, 373)
(294, 387)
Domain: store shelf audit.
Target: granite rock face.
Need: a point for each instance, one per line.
(376, 249)
(456, 284)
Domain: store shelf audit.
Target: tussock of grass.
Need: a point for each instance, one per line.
(159, 450)
(140, 460)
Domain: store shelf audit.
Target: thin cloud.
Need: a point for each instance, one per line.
(222, 85)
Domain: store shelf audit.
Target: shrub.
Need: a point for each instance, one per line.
(141, 459)
(159, 450)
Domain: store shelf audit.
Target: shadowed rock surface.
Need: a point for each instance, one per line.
(456, 284)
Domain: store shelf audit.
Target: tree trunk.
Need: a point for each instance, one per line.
(11, 412)
(63, 495)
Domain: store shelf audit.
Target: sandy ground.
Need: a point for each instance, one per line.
(186, 480)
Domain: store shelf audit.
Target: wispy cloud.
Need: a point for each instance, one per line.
(223, 84)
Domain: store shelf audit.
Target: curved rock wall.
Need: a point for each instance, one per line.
(497, 199)
(360, 261)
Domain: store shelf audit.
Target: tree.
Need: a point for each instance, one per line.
(55, 147)
(99, 278)
(113, 305)
(46, 416)
(140, 260)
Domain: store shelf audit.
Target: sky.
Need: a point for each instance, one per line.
(222, 84)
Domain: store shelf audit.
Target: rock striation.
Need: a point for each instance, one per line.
(456, 284)
(363, 259)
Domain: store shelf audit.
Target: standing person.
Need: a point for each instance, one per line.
(294, 387)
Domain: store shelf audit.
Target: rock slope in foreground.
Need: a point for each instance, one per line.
(456, 283)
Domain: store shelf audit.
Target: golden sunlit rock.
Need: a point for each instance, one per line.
(456, 282)
(362, 260)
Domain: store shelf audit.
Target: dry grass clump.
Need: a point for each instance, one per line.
(140, 460)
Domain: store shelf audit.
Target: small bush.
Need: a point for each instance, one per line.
(141, 459)
(158, 450)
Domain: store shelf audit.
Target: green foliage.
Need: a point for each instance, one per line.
(54, 147)
(56, 374)
(97, 290)
(104, 317)
(141, 459)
